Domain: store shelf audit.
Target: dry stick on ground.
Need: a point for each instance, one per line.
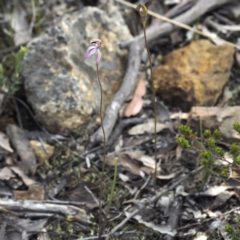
(136, 47)
(72, 212)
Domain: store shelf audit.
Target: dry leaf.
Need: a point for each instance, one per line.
(42, 151)
(147, 127)
(4, 142)
(213, 191)
(169, 176)
(27, 181)
(197, 213)
(201, 236)
(20, 26)
(43, 235)
(179, 115)
(221, 199)
(6, 173)
(159, 228)
(135, 162)
(136, 104)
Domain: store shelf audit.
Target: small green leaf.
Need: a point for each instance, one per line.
(183, 142)
(19, 59)
(185, 130)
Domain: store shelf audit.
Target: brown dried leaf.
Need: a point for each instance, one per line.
(27, 181)
(147, 127)
(136, 104)
(134, 162)
(4, 142)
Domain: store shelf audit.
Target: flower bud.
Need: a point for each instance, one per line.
(142, 10)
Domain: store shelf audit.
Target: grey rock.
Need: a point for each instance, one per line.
(61, 85)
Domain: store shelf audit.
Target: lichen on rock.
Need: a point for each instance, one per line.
(60, 84)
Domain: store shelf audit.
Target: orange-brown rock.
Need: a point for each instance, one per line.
(194, 75)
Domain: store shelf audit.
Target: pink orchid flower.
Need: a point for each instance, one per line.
(94, 48)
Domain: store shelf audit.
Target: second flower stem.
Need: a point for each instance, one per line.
(154, 105)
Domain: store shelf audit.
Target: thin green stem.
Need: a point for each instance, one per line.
(101, 222)
(154, 106)
(113, 185)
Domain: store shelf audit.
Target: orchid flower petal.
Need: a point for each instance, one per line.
(91, 52)
(99, 56)
(88, 50)
(94, 48)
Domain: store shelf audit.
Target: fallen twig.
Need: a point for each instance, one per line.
(70, 212)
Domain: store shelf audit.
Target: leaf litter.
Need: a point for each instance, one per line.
(47, 190)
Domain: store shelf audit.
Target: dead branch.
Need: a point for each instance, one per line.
(72, 212)
(136, 47)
